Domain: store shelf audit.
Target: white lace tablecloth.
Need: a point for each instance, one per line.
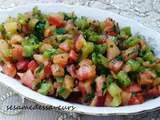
(145, 11)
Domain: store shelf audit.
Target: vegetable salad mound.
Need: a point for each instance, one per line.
(79, 59)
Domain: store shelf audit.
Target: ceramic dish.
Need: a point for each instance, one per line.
(151, 36)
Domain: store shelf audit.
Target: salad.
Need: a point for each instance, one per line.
(78, 59)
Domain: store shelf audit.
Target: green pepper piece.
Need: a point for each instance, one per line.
(21, 19)
(70, 16)
(116, 101)
(132, 41)
(82, 23)
(60, 79)
(2, 29)
(45, 88)
(8, 53)
(99, 59)
(36, 13)
(133, 64)
(50, 53)
(109, 79)
(64, 92)
(104, 88)
(114, 89)
(125, 31)
(60, 31)
(123, 79)
(100, 48)
(28, 51)
(149, 56)
(91, 35)
(87, 49)
(32, 23)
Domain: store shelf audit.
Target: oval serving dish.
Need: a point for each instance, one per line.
(151, 36)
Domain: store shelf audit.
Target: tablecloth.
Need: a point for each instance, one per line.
(149, 15)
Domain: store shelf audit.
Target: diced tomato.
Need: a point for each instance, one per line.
(82, 88)
(136, 100)
(99, 84)
(9, 69)
(109, 25)
(115, 65)
(154, 92)
(57, 70)
(17, 52)
(79, 43)
(61, 59)
(47, 32)
(108, 100)
(56, 20)
(112, 33)
(27, 78)
(100, 101)
(26, 28)
(86, 72)
(47, 69)
(73, 55)
(57, 85)
(69, 25)
(85, 62)
(1, 55)
(6, 59)
(72, 70)
(32, 65)
(146, 78)
(101, 41)
(39, 73)
(85, 87)
(22, 65)
(134, 88)
(64, 46)
(125, 97)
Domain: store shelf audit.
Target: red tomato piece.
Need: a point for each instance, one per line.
(22, 65)
(85, 87)
(27, 78)
(99, 84)
(108, 100)
(125, 97)
(47, 69)
(79, 43)
(136, 100)
(72, 70)
(86, 72)
(115, 65)
(112, 33)
(101, 41)
(56, 21)
(100, 101)
(154, 92)
(61, 59)
(134, 88)
(26, 28)
(9, 69)
(73, 55)
(32, 65)
(17, 52)
(64, 46)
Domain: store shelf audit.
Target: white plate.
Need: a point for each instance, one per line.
(151, 36)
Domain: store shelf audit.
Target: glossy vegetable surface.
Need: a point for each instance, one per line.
(79, 59)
